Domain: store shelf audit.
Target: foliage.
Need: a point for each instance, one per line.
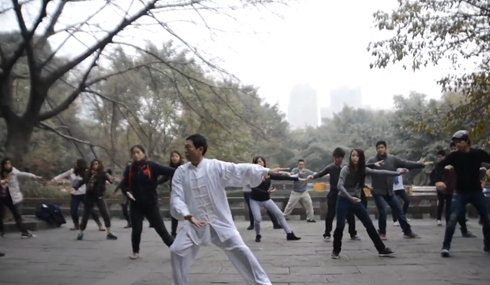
(50, 84)
(436, 32)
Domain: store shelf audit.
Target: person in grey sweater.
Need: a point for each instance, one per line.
(383, 189)
(350, 184)
(299, 193)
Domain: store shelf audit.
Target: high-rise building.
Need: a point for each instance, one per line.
(342, 96)
(303, 107)
(325, 113)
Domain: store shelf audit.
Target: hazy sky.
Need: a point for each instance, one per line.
(319, 42)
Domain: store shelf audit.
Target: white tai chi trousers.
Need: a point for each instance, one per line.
(183, 253)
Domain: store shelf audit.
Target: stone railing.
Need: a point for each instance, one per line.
(423, 201)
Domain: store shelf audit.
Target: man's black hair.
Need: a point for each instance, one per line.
(301, 160)
(199, 141)
(378, 143)
(441, 153)
(452, 144)
(338, 152)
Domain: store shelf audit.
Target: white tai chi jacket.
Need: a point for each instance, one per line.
(200, 192)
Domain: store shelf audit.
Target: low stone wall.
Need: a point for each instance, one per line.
(420, 205)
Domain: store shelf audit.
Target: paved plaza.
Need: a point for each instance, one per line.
(55, 257)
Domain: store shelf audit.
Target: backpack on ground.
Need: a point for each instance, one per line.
(51, 214)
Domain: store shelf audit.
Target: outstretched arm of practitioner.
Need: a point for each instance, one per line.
(401, 163)
(241, 174)
(322, 173)
(25, 174)
(370, 171)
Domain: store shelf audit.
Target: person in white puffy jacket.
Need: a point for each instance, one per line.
(11, 196)
(74, 175)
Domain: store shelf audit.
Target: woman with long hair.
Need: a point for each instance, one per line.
(141, 180)
(350, 184)
(74, 175)
(176, 160)
(260, 197)
(125, 200)
(246, 195)
(95, 180)
(11, 196)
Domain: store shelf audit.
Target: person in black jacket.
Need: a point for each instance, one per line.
(125, 202)
(95, 180)
(260, 197)
(141, 180)
(176, 160)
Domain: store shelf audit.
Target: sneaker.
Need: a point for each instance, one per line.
(439, 223)
(396, 224)
(258, 238)
(311, 221)
(326, 237)
(468, 235)
(292, 236)
(355, 238)
(335, 255)
(383, 236)
(251, 227)
(80, 236)
(134, 256)
(111, 236)
(387, 252)
(2, 254)
(27, 235)
(411, 236)
(445, 252)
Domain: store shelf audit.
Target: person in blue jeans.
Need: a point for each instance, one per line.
(466, 163)
(350, 186)
(383, 189)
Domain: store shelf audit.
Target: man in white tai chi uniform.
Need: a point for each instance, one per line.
(198, 197)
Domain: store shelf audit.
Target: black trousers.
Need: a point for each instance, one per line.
(331, 213)
(6, 202)
(175, 224)
(75, 201)
(125, 210)
(90, 203)
(138, 213)
(406, 202)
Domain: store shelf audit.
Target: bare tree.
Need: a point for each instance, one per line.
(30, 57)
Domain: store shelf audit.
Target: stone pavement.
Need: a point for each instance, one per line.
(55, 257)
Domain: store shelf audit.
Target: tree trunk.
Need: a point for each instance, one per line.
(19, 133)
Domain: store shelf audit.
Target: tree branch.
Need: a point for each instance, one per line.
(74, 94)
(45, 126)
(27, 37)
(51, 78)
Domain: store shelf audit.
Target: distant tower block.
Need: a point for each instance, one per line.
(303, 107)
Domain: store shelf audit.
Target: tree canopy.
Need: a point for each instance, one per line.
(435, 32)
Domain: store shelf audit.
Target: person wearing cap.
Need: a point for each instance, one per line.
(466, 163)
